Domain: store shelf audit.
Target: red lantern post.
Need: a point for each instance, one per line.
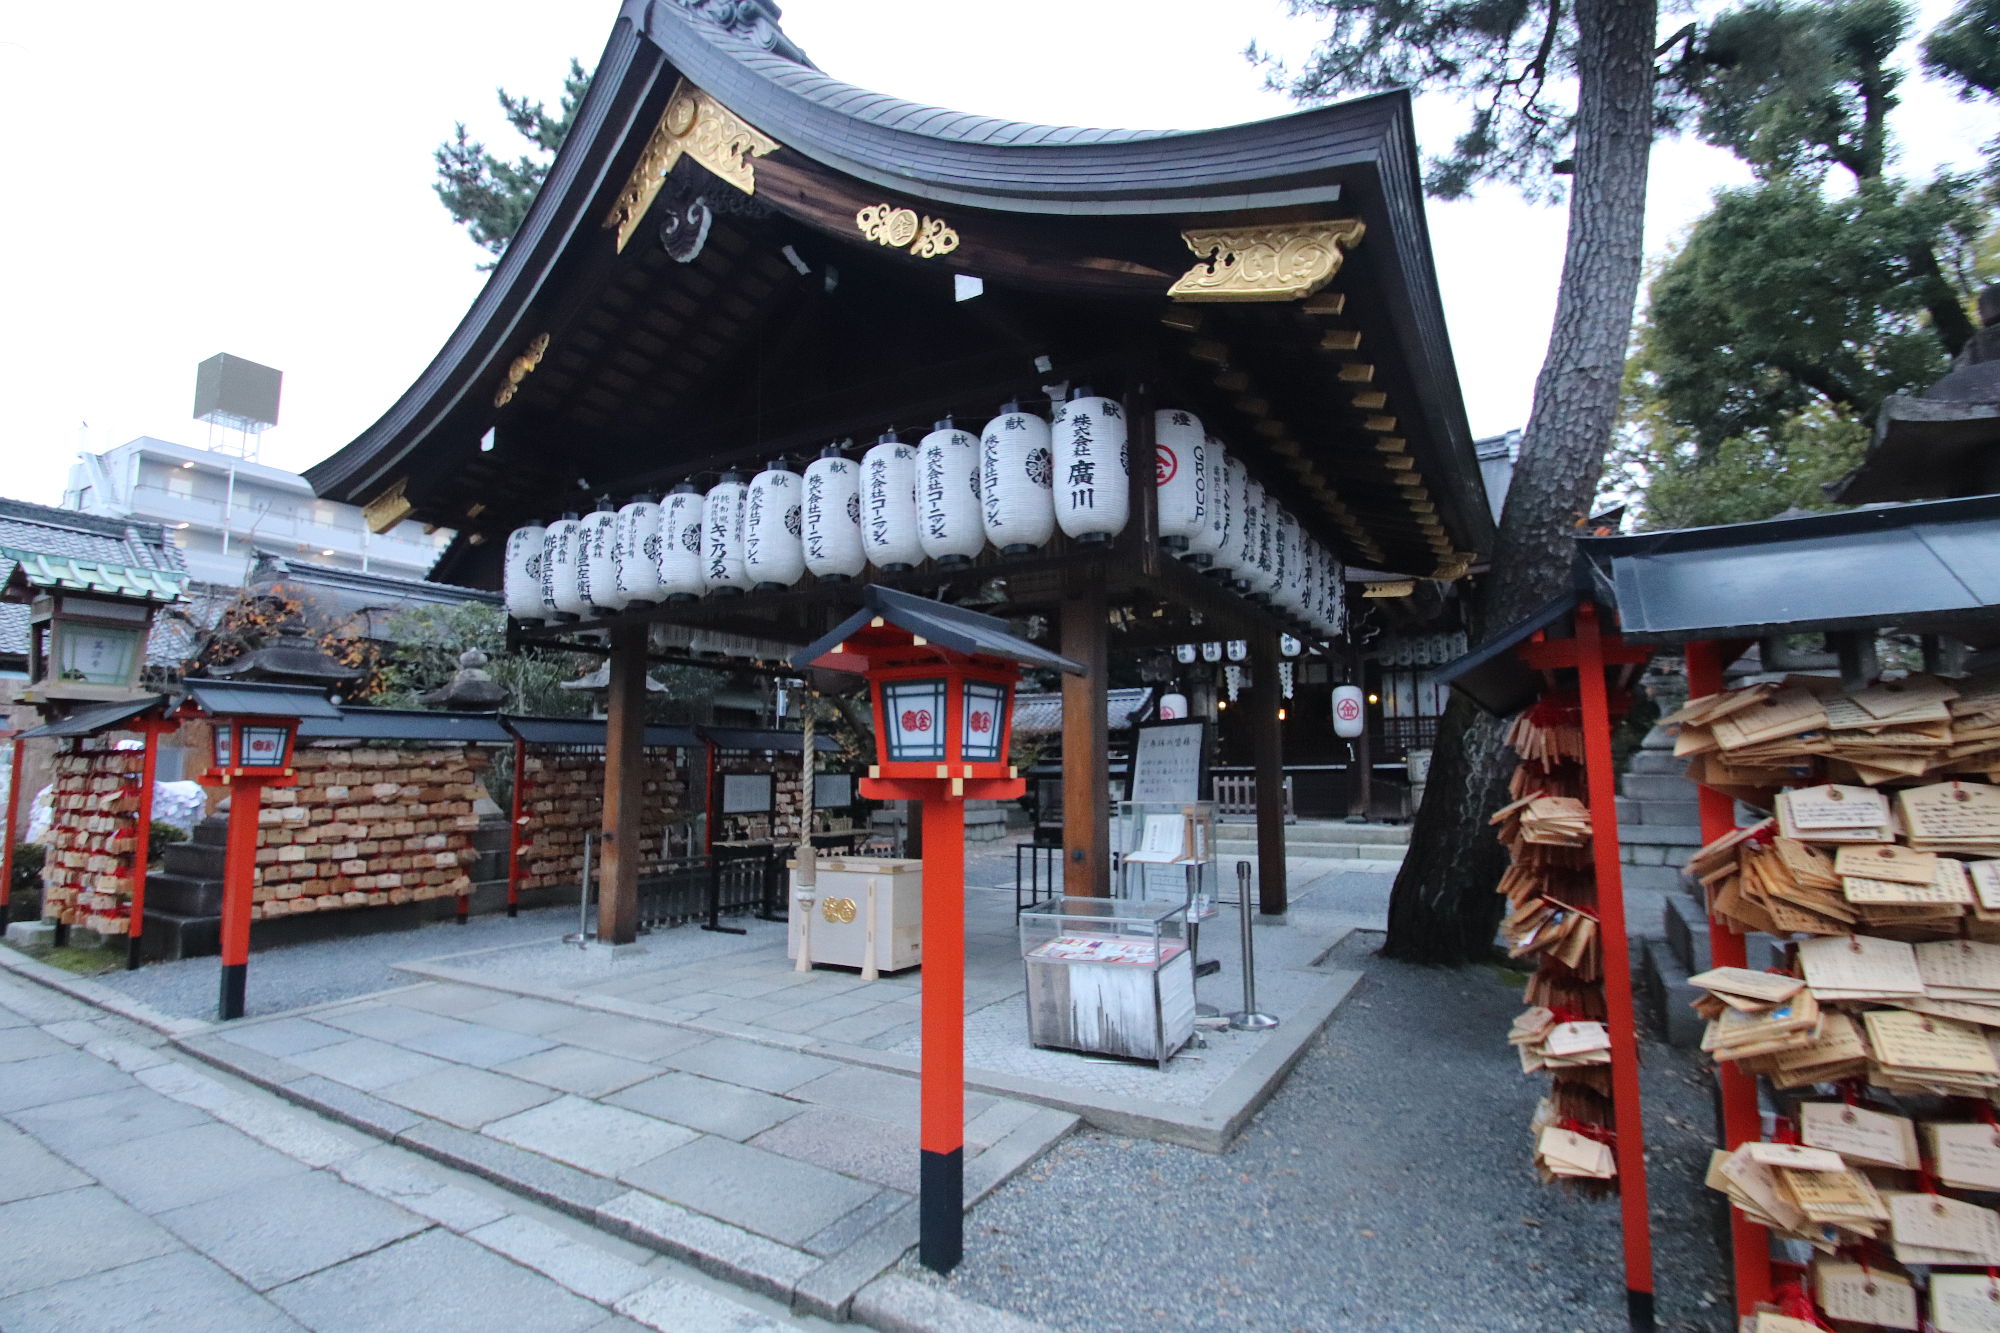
(255, 726)
(942, 680)
(12, 815)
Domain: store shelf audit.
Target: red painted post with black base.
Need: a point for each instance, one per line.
(941, 681)
(239, 883)
(941, 1128)
(515, 819)
(7, 844)
(142, 850)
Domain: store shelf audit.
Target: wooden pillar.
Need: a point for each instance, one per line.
(1086, 638)
(141, 850)
(1749, 1243)
(13, 815)
(624, 782)
(1602, 785)
(1268, 755)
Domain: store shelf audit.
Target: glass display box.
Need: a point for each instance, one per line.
(1109, 976)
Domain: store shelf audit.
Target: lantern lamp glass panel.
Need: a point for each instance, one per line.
(264, 747)
(985, 722)
(914, 713)
(224, 740)
(97, 654)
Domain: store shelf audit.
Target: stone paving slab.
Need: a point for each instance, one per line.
(707, 1105)
(176, 1226)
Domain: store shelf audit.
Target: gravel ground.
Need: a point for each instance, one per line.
(1387, 1186)
(341, 968)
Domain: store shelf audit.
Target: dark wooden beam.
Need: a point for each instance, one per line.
(1086, 639)
(1268, 755)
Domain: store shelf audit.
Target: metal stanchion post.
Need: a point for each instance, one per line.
(582, 936)
(1249, 1020)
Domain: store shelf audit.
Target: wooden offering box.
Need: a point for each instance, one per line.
(840, 925)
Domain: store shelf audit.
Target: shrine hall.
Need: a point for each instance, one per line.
(778, 339)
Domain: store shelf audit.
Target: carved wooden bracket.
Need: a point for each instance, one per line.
(520, 368)
(1281, 263)
(701, 127)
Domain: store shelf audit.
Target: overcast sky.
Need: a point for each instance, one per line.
(254, 178)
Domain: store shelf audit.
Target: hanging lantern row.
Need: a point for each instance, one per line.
(944, 500)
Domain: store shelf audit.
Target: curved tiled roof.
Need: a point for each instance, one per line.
(992, 162)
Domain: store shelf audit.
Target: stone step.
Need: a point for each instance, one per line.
(1635, 812)
(1687, 933)
(184, 895)
(193, 859)
(1322, 831)
(1660, 835)
(172, 936)
(1666, 996)
(1655, 763)
(1650, 879)
(1232, 850)
(1656, 787)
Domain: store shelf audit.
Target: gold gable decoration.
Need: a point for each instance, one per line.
(901, 229)
(701, 127)
(388, 509)
(1280, 263)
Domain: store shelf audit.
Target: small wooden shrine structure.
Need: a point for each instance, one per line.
(1713, 593)
(738, 258)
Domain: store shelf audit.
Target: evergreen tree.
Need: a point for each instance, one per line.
(489, 196)
(1559, 90)
(1797, 304)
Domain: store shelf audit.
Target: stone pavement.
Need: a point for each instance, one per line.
(789, 1173)
(138, 1192)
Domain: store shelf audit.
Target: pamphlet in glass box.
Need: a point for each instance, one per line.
(1109, 976)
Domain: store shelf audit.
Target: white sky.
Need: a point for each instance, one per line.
(254, 178)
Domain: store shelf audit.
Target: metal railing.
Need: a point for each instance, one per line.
(707, 888)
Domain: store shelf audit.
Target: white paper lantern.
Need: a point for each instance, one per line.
(521, 584)
(560, 547)
(832, 517)
(1093, 493)
(1316, 587)
(638, 553)
(889, 505)
(597, 563)
(1226, 562)
(1350, 713)
(1239, 650)
(1211, 652)
(949, 525)
(1211, 536)
(1180, 474)
(1016, 461)
(681, 577)
(1336, 598)
(774, 555)
(1290, 646)
(1289, 594)
(1173, 707)
(1184, 654)
(722, 537)
(1258, 571)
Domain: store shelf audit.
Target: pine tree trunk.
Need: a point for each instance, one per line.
(1443, 908)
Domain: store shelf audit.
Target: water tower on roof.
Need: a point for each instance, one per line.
(239, 401)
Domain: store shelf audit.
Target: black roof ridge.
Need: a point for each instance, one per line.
(368, 577)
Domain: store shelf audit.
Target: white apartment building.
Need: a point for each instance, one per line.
(221, 509)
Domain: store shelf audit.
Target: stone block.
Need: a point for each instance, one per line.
(33, 938)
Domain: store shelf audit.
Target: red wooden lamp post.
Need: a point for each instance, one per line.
(254, 726)
(942, 680)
